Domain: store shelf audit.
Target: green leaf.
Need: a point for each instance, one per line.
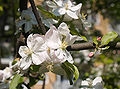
(35, 68)
(95, 40)
(75, 32)
(108, 37)
(17, 79)
(71, 71)
(33, 81)
(46, 13)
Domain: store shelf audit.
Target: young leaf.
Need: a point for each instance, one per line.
(68, 72)
(46, 13)
(33, 81)
(95, 40)
(71, 71)
(17, 79)
(108, 37)
(75, 32)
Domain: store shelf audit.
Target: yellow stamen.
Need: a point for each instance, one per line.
(84, 16)
(66, 6)
(50, 67)
(64, 45)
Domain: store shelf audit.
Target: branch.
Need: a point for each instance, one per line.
(89, 45)
(37, 16)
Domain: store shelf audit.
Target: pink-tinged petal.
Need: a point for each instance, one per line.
(25, 62)
(39, 57)
(72, 14)
(52, 38)
(77, 7)
(23, 51)
(91, 54)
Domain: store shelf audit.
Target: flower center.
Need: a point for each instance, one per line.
(29, 51)
(50, 67)
(64, 45)
(66, 6)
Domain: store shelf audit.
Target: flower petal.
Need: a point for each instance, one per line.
(63, 28)
(59, 11)
(25, 62)
(23, 51)
(72, 14)
(70, 39)
(51, 4)
(59, 2)
(97, 80)
(68, 57)
(77, 7)
(68, 2)
(40, 57)
(52, 38)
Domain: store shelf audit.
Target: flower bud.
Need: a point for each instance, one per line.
(99, 38)
(91, 54)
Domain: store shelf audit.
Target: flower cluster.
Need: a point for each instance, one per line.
(64, 7)
(50, 48)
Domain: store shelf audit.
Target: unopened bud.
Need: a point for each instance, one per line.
(99, 38)
(91, 54)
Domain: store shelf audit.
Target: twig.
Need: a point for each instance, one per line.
(89, 45)
(37, 16)
(43, 86)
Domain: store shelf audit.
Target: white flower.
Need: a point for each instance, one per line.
(57, 40)
(34, 52)
(27, 18)
(5, 74)
(62, 7)
(95, 84)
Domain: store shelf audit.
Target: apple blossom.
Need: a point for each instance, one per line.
(62, 7)
(34, 52)
(57, 40)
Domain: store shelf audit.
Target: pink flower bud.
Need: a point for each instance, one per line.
(99, 38)
(91, 54)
